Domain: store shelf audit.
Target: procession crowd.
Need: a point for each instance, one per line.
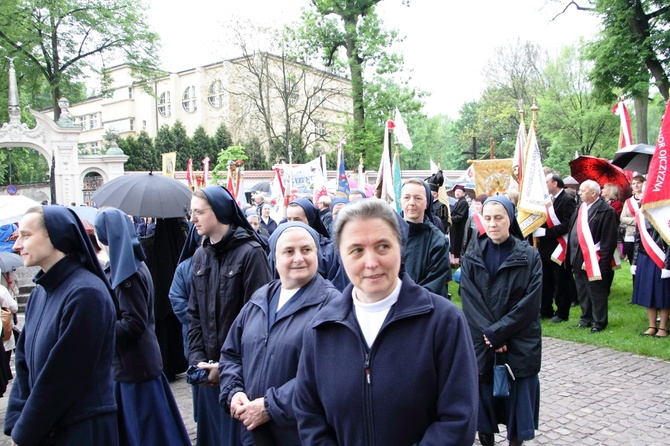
(332, 326)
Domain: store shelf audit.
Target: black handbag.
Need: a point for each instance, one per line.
(501, 378)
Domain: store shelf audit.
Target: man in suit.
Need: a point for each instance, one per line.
(591, 245)
(555, 276)
(459, 218)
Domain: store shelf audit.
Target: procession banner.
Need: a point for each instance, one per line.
(625, 134)
(492, 177)
(656, 199)
(401, 132)
(533, 194)
(169, 161)
(384, 184)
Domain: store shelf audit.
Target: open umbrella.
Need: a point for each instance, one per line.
(263, 186)
(12, 208)
(635, 157)
(600, 170)
(9, 261)
(87, 213)
(145, 195)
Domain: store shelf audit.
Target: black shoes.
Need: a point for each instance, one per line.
(486, 439)
(581, 325)
(596, 330)
(557, 319)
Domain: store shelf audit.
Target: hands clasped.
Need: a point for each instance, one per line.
(251, 413)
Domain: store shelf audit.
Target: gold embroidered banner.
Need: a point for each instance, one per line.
(492, 177)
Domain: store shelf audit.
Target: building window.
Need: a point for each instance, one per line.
(188, 100)
(320, 128)
(165, 104)
(93, 119)
(293, 98)
(132, 125)
(130, 92)
(94, 148)
(215, 94)
(144, 124)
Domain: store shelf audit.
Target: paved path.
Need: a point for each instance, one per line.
(590, 396)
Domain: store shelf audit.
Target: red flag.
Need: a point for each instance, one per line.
(229, 186)
(656, 199)
(189, 173)
(625, 134)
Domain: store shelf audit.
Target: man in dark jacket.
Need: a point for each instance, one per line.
(426, 256)
(591, 245)
(555, 276)
(459, 218)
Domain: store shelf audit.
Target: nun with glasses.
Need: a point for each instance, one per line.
(501, 291)
(63, 393)
(147, 411)
(226, 270)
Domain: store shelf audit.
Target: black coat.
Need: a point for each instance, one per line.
(459, 220)
(603, 224)
(564, 206)
(656, 236)
(223, 278)
(137, 357)
(505, 307)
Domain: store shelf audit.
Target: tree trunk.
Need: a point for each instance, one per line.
(641, 105)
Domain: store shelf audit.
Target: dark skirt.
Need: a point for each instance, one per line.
(99, 430)
(520, 411)
(215, 426)
(148, 414)
(649, 290)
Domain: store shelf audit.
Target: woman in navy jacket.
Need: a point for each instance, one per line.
(388, 362)
(259, 359)
(148, 413)
(63, 392)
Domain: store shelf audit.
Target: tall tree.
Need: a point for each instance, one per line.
(202, 145)
(63, 39)
(354, 27)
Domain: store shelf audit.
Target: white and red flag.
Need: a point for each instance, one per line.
(625, 134)
(656, 199)
(189, 173)
(205, 170)
(384, 185)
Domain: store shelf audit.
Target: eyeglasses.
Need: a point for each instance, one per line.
(198, 212)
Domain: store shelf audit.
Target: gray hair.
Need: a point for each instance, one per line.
(593, 186)
(366, 210)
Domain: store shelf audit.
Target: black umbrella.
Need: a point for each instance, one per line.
(9, 261)
(635, 157)
(263, 186)
(145, 195)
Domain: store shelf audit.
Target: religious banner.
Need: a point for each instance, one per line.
(169, 161)
(492, 177)
(533, 193)
(656, 199)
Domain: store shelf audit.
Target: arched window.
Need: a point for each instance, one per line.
(165, 104)
(188, 100)
(215, 94)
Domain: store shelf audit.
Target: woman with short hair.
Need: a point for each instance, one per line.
(388, 362)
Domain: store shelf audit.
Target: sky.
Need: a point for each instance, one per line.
(446, 43)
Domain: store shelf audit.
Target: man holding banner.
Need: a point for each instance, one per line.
(591, 245)
(552, 245)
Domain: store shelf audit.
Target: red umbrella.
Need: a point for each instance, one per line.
(601, 171)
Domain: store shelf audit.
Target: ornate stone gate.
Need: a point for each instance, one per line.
(58, 141)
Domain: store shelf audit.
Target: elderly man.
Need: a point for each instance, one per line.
(555, 277)
(324, 210)
(426, 255)
(591, 245)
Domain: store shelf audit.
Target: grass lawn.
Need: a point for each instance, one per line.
(626, 322)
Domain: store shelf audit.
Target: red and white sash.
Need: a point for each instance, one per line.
(633, 206)
(589, 250)
(558, 255)
(654, 251)
(479, 223)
